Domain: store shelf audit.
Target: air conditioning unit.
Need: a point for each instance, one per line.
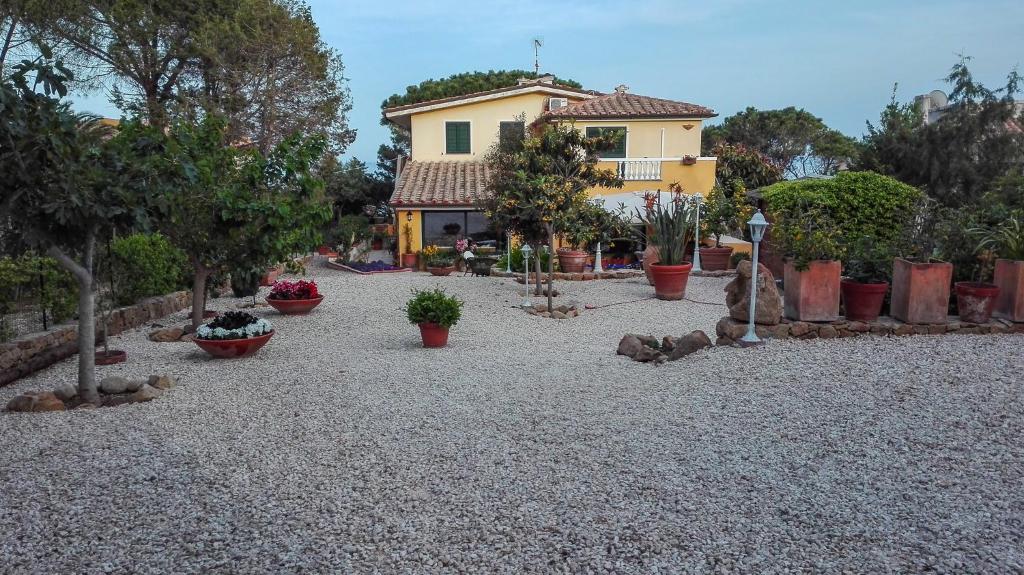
(557, 103)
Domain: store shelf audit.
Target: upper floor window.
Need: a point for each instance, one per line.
(511, 134)
(619, 151)
(456, 137)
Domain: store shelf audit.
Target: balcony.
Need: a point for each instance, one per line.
(640, 170)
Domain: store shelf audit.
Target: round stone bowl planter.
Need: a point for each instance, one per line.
(572, 261)
(670, 281)
(863, 302)
(975, 301)
(295, 306)
(228, 348)
(433, 335)
(111, 357)
(440, 271)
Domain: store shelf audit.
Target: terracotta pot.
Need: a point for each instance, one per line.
(670, 281)
(1009, 277)
(861, 301)
(920, 291)
(440, 271)
(323, 250)
(572, 261)
(409, 260)
(812, 295)
(111, 357)
(270, 277)
(651, 256)
(715, 259)
(975, 301)
(295, 306)
(433, 335)
(233, 347)
(378, 244)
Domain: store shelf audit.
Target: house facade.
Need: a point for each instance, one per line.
(438, 187)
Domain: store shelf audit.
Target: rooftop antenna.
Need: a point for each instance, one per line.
(537, 43)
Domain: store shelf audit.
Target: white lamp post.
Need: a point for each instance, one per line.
(757, 226)
(597, 260)
(526, 274)
(508, 253)
(696, 236)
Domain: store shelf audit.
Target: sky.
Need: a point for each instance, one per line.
(837, 60)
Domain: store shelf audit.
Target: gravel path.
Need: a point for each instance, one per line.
(526, 446)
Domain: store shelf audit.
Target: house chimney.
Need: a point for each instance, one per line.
(546, 79)
(523, 81)
(621, 89)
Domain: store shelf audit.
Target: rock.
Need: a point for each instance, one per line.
(649, 341)
(22, 403)
(65, 391)
(162, 382)
(134, 385)
(689, 343)
(800, 328)
(827, 332)
(166, 334)
(47, 401)
(629, 345)
(85, 406)
(768, 309)
(36, 401)
(647, 354)
(559, 315)
(563, 308)
(113, 385)
(530, 310)
(146, 393)
(668, 343)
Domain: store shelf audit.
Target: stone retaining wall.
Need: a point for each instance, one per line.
(730, 330)
(574, 277)
(33, 352)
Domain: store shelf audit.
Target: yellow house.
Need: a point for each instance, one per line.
(438, 186)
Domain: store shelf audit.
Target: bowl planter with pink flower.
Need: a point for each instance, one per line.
(234, 334)
(296, 297)
(435, 312)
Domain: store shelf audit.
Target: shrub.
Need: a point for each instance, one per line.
(349, 231)
(37, 281)
(433, 306)
(517, 260)
(147, 265)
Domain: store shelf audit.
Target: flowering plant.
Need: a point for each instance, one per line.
(436, 257)
(234, 325)
(301, 289)
(462, 245)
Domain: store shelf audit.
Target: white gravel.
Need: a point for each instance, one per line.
(526, 446)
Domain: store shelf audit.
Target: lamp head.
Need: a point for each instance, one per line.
(526, 250)
(757, 226)
(408, 216)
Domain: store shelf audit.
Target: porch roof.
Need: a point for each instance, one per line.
(441, 184)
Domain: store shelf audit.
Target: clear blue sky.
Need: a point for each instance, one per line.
(837, 60)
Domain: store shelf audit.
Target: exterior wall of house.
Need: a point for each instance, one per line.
(696, 178)
(416, 225)
(644, 137)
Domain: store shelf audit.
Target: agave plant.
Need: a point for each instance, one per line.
(1006, 240)
(670, 227)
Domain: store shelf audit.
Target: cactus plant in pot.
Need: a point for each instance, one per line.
(668, 231)
(866, 281)
(435, 312)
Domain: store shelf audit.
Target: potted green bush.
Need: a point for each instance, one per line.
(866, 281)
(668, 231)
(920, 281)
(572, 257)
(435, 312)
(813, 268)
(718, 217)
(1006, 244)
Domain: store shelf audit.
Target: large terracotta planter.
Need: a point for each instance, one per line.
(572, 261)
(229, 348)
(440, 271)
(861, 301)
(812, 295)
(1009, 277)
(651, 256)
(715, 259)
(920, 291)
(433, 335)
(975, 301)
(670, 281)
(295, 306)
(270, 276)
(409, 260)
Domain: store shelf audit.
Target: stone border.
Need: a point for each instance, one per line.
(573, 277)
(33, 352)
(336, 266)
(730, 330)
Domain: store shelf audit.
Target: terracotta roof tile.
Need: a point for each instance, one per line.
(441, 184)
(626, 105)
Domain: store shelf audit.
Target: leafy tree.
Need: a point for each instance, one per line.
(794, 139)
(539, 189)
(351, 187)
(740, 168)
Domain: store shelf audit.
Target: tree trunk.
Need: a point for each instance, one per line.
(537, 270)
(200, 272)
(551, 269)
(86, 315)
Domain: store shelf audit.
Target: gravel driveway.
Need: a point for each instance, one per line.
(526, 446)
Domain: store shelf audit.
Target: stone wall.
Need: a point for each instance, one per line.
(730, 330)
(33, 352)
(574, 277)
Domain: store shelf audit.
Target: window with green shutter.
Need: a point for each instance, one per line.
(456, 137)
(619, 151)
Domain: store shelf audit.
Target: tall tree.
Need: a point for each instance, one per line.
(792, 138)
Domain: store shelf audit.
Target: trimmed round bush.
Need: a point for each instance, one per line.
(147, 265)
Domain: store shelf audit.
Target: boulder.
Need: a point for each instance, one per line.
(22, 403)
(649, 341)
(668, 343)
(35, 401)
(65, 391)
(113, 385)
(768, 310)
(559, 315)
(166, 334)
(162, 382)
(47, 401)
(648, 354)
(134, 385)
(146, 393)
(629, 345)
(689, 343)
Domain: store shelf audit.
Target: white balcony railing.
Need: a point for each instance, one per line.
(633, 170)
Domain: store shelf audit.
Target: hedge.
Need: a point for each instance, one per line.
(147, 265)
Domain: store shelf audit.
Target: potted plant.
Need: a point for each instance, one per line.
(296, 297)
(668, 230)
(812, 268)
(234, 334)
(408, 256)
(689, 160)
(866, 281)
(439, 262)
(920, 282)
(1006, 242)
(435, 312)
(572, 257)
(717, 219)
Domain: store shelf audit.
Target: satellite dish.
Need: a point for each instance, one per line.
(938, 98)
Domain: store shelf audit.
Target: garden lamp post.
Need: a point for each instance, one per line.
(597, 260)
(508, 253)
(757, 226)
(696, 235)
(526, 274)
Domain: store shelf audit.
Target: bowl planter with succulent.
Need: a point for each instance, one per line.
(234, 334)
(668, 231)
(1006, 243)
(294, 297)
(435, 312)
(813, 268)
(439, 262)
(866, 280)
(718, 218)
